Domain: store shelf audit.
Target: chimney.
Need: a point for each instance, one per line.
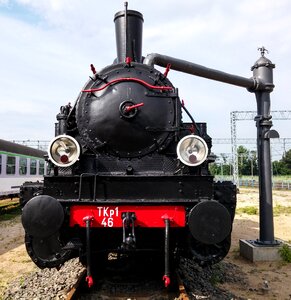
(128, 31)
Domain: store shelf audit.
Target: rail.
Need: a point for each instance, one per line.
(133, 285)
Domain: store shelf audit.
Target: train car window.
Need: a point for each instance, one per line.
(33, 167)
(0, 163)
(10, 165)
(22, 166)
(49, 169)
(41, 167)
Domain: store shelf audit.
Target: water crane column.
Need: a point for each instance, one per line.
(263, 73)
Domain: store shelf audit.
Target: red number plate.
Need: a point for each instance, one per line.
(111, 216)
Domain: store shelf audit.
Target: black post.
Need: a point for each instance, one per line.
(89, 278)
(263, 71)
(166, 277)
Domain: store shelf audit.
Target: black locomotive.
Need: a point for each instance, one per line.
(127, 173)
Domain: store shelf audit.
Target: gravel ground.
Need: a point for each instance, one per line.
(201, 283)
(46, 284)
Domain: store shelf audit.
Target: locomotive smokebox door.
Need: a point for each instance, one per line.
(123, 114)
(209, 222)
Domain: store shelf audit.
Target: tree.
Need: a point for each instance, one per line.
(279, 168)
(247, 161)
(283, 166)
(286, 160)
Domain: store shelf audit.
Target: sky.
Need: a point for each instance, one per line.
(47, 47)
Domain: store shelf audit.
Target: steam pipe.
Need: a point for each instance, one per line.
(201, 71)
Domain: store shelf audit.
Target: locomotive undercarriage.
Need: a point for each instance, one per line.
(91, 191)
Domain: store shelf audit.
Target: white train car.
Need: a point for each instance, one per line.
(19, 163)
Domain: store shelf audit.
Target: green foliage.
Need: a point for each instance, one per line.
(14, 212)
(248, 164)
(280, 209)
(247, 161)
(216, 278)
(217, 275)
(253, 210)
(283, 166)
(249, 210)
(286, 159)
(285, 253)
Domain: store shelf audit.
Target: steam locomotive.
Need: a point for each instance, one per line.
(127, 173)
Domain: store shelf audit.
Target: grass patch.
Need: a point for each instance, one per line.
(217, 275)
(285, 253)
(280, 209)
(236, 252)
(249, 210)
(10, 214)
(253, 210)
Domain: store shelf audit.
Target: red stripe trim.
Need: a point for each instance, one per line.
(154, 87)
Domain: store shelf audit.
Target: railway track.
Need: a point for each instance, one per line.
(136, 280)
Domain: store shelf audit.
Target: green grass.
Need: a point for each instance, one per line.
(279, 209)
(11, 214)
(249, 210)
(217, 275)
(253, 210)
(275, 177)
(285, 253)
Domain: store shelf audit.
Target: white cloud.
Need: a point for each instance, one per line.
(45, 59)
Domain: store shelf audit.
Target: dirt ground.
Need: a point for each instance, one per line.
(263, 280)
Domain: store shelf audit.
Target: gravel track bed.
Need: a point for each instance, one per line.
(201, 283)
(48, 284)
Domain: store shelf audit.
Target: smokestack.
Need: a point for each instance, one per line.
(128, 31)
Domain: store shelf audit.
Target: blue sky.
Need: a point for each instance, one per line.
(47, 47)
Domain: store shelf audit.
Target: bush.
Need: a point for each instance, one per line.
(285, 253)
(250, 210)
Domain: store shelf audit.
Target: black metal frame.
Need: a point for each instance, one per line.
(174, 189)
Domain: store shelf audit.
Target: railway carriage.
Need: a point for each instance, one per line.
(18, 164)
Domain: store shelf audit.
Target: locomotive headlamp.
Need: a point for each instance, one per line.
(64, 150)
(192, 150)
